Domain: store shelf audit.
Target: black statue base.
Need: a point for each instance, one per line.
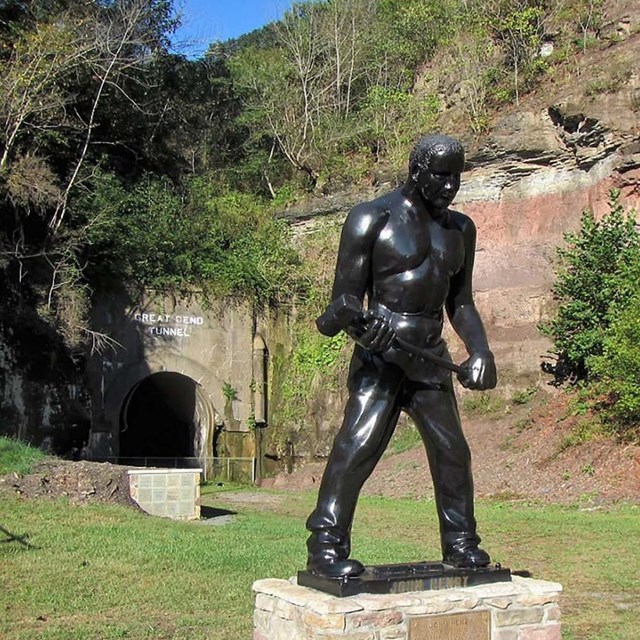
(400, 578)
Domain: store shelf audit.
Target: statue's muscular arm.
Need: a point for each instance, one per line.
(353, 271)
(464, 316)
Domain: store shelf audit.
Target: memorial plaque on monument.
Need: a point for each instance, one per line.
(458, 626)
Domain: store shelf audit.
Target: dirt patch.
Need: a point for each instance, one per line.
(81, 482)
(245, 497)
(519, 453)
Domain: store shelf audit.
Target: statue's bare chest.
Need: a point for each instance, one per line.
(427, 250)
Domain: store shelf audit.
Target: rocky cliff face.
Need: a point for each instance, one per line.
(533, 176)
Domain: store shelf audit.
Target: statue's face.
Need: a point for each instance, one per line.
(440, 181)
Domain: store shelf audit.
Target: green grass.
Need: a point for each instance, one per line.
(585, 429)
(524, 396)
(405, 437)
(483, 403)
(17, 457)
(110, 572)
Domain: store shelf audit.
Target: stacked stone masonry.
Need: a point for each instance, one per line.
(168, 493)
(524, 609)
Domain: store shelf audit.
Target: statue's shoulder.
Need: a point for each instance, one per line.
(370, 217)
(462, 222)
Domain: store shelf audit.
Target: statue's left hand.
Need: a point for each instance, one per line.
(480, 371)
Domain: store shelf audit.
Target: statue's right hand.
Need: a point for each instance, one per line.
(480, 372)
(372, 331)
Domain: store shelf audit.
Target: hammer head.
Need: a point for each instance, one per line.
(339, 314)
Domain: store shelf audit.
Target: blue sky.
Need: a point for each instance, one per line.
(207, 20)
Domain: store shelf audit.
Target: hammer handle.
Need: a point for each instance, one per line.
(427, 355)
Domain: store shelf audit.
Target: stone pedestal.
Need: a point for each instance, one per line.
(523, 609)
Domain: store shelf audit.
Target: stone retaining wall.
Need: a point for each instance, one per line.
(524, 609)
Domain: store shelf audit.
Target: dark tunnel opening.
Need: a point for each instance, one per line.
(158, 419)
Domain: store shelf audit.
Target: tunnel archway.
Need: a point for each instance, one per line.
(166, 416)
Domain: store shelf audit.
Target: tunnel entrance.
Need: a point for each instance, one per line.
(165, 421)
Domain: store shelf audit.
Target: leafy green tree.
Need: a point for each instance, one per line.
(392, 117)
(224, 244)
(273, 109)
(405, 33)
(592, 283)
(61, 64)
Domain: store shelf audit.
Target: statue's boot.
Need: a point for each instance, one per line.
(465, 553)
(329, 555)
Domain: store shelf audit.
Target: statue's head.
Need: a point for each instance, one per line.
(435, 165)
(432, 146)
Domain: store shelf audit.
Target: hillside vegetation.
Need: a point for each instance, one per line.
(123, 163)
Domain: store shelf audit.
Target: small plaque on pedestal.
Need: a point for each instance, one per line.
(400, 578)
(459, 626)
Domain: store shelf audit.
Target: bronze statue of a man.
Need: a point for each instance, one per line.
(413, 257)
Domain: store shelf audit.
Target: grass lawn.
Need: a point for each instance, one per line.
(110, 572)
(17, 457)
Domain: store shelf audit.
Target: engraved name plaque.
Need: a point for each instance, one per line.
(458, 626)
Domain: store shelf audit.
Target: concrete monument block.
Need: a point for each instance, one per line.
(168, 493)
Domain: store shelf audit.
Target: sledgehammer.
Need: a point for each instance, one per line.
(342, 311)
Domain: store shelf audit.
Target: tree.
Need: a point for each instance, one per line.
(474, 56)
(61, 63)
(124, 36)
(32, 77)
(312, 92)
(406, 33)
(191, 124)
(589, 15)
(301, 92)
(519, 26)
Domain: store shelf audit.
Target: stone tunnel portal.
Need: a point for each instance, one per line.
(167, 416)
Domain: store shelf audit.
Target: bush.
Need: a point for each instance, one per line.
(206, 237)
(616, 373)
(597, 327)
(593, 281)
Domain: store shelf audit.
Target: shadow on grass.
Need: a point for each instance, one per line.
(522, 573)
(211, 512)
(14, 537)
